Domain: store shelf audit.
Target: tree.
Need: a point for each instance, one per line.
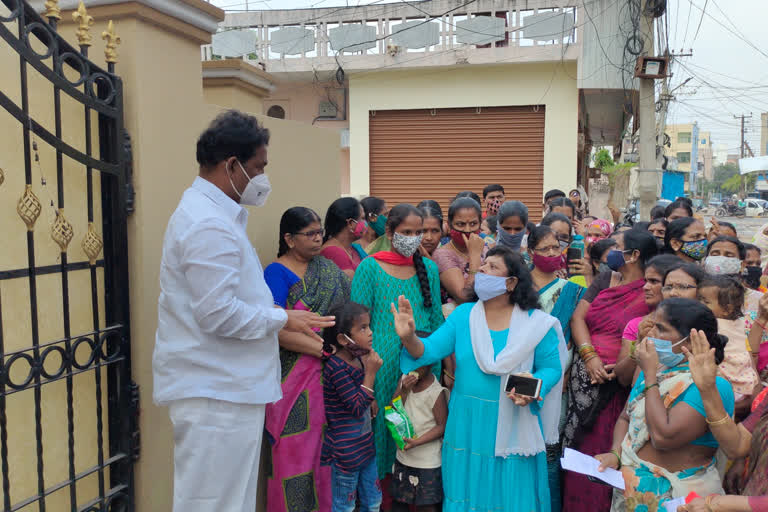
(732, 184)
(603, 159)
(725, 171)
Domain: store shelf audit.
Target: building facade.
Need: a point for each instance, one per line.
(681, 147)
(433, 97)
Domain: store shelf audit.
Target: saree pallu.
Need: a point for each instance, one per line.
(649, 486)
(594, 409)
(754, 481)
(296, 481)
(560, 298)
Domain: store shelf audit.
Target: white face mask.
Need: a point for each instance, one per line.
(488, 287)
(256, 191)
(722, 265)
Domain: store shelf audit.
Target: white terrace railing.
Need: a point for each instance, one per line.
(403, 34)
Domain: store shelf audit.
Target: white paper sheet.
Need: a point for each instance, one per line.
(672, 505)
(586, 465)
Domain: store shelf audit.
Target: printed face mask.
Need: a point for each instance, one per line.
(380, 225)
(360, 227)
(666, 356)
(256, 191)
(696, 249)
(355, 349)
(493, 206)
(722, 265)
(488, 287)
(406, 245)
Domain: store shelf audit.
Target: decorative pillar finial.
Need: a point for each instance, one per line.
(52, 9)
(84, 21)
(112, 39)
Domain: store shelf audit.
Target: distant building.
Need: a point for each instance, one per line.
(733, 158)
(763, 134)
(681, 144)
(432, 97)
(720, 154)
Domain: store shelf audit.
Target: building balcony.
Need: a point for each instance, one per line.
(403, 35)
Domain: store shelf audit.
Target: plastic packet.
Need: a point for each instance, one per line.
(398, 423)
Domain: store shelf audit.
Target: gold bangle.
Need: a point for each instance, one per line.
(589, 358)
(367, 388)
(721, 421)
(585, 348)
(708, 502)
(448, 374)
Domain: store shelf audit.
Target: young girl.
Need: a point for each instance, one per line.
(348, 378)
(724, 295)
(416, 478)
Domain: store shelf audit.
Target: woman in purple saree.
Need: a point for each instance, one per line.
(596, 398)
(300, 279)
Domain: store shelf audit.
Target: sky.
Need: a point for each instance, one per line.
(729, 76)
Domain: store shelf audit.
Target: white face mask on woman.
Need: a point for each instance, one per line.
(256, 191)
(488, 287)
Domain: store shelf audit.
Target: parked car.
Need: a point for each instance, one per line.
(715, 203)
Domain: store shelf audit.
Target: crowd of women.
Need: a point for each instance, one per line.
(649, 342)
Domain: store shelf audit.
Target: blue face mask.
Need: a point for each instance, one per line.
(615, 260)
(507, 240)
(488, 287)
(664, 350)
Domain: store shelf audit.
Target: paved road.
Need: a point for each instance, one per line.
(746, 227)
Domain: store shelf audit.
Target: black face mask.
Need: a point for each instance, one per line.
(752, 277)
(659, 243)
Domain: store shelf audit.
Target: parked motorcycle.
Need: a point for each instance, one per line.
(730, 210)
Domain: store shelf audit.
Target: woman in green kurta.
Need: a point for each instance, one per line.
(377, 284)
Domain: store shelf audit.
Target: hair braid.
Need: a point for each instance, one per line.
(421, 272)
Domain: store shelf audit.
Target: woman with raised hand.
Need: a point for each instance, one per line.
(379, 281)
(301, 279)
(494, 454)
(662, 442)
(746, 443)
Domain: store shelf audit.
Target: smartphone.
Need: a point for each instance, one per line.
(528, 386)
(573, 254)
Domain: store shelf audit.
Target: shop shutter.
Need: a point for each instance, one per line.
(436, 153)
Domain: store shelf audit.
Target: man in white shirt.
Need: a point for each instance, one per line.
(216, 358)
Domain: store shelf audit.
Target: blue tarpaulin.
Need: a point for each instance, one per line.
(672, 185)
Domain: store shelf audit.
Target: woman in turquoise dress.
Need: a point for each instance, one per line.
(558, 298)
(378, 282)
(494, 455)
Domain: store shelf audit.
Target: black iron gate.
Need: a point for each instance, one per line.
(68, 435)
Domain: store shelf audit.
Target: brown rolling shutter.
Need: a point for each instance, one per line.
(434, 154)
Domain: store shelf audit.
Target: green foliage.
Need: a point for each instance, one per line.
(616, 171)
(603, 159)
(732, 184)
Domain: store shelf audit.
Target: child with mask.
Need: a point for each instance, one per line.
(348, 380)
(724, 295)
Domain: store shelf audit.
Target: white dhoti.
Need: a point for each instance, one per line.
(216, 455)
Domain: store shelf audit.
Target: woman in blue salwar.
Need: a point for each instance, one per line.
(494, 448)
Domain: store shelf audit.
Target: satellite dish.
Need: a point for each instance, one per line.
(234, 43)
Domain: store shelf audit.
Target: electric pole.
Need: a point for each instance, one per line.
(742, 153)
(647, 179)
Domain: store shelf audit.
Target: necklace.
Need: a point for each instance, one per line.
(349, 253)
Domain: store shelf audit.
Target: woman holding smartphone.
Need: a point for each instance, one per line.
(491, 432)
